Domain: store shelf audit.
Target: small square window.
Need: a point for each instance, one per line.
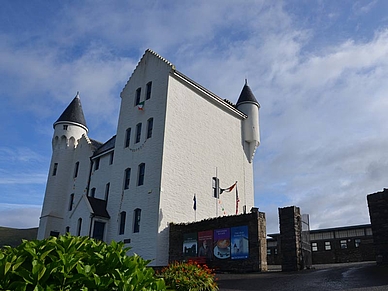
(343, 244)
(357, 242)
(314, 247)
(65, 127)
(327, 246)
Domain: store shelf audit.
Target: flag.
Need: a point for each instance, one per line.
(195, 203)
(237, 199)
(140, 106)
(230, 189)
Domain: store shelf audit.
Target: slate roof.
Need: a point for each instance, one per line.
(110, 144)
(98, 207)
(73, 112)
(246, 95)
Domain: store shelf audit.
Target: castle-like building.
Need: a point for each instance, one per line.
(177, 146)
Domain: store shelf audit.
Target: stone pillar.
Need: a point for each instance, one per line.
(290, 238)
(378, 213)
(262, 237)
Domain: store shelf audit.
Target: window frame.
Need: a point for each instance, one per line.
(127, 178)
(127, 137)
(148, 90)
(150, 126)
(123, 217)
(138, 132)
(137, 96)
(136, 220)
(140, 174)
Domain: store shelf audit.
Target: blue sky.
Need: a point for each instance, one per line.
(318, 68)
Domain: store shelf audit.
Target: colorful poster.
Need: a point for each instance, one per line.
(240, 242)
(222, 243)
(190, 245)
(205, 242)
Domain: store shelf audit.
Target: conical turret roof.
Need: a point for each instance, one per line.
(73, 113)
(246, 95)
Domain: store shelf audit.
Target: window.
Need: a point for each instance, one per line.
(71, 202)
(107, 186)
(96, 164)
(150, 124)
(98, 231)
(122, 222)
(127, 178)
(138, 132)
(54, 233)
(67, 229)
(111, 158)
(76, 169)
(268, 252)
(93, 192)
(140, 177)
(137, 97)
(127, 137)
(136, 221)
(327, 246)
(343, 244)
(55, 169)
(79, 225)
(357, 242)
(276, 251)
(148, 92)
(65, 127)
(314, 247)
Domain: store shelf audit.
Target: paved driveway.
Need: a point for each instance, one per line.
(352, 276)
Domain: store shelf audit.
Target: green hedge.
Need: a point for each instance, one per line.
(74, 263)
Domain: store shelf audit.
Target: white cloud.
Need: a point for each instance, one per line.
(19, 216)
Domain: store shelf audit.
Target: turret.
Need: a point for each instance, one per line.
(248, 104)
(68, 129)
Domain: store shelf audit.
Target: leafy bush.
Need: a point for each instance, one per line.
(74, 263)
(189, 276)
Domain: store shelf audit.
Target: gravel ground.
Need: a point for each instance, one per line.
(350, 276)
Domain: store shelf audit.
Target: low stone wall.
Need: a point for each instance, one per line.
(246, 249)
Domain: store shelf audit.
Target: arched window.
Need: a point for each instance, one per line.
(93, 192)
(150, 125)
(136, 220)
(79, 226)
(140, 174)
(123, 215)
(148, 90)
(138, 132)
(127, 178)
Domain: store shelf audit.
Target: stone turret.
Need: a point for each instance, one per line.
(248, 104)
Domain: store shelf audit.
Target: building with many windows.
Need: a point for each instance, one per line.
(332, 245)
(176, 145)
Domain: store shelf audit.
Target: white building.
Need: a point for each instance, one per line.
(173, 136)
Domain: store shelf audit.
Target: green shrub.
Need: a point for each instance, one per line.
(74, 263)
(189, 276)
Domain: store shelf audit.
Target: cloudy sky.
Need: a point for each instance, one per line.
(318, 68)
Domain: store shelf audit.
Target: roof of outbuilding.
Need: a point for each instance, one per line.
(110, 144)
(73, 113)
(246, 95)
(98, 207)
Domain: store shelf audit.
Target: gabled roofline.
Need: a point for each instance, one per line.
(215, 98)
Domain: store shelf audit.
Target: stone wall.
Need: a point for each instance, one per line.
(290, 238)
(256, 260)
(378, 213)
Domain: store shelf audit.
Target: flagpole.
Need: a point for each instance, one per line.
(218, 196)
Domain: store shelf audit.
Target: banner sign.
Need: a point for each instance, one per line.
(222, 243)
(190, 245)
(205, 242)
(239, 243)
